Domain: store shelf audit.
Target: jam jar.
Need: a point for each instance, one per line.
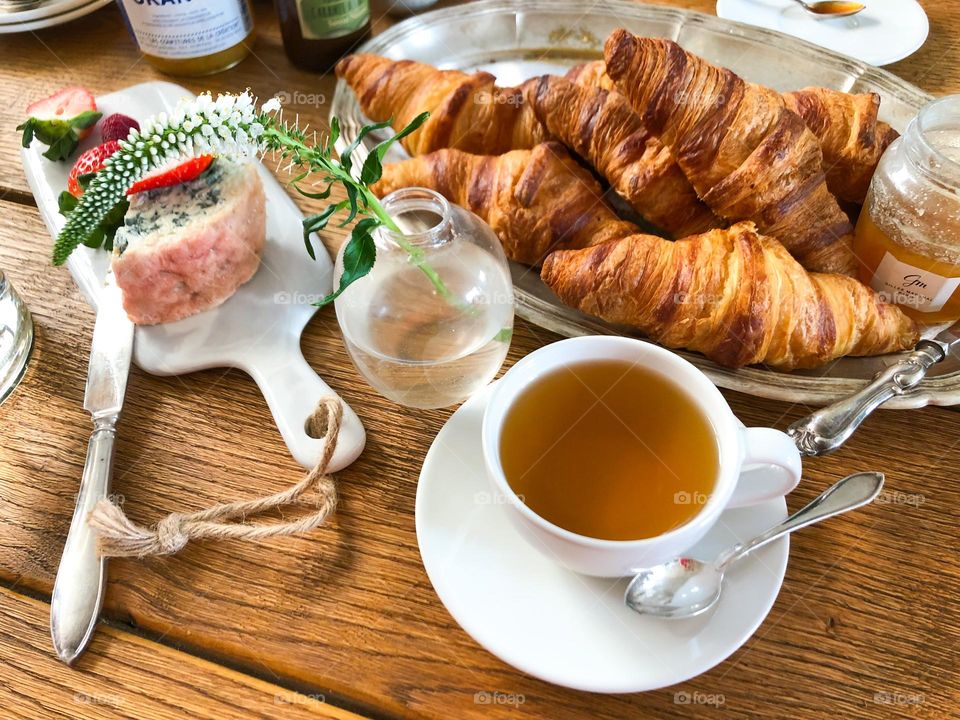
(908, 236)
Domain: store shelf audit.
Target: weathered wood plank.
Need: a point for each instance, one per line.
(126, 676)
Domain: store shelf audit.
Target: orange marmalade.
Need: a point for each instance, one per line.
(908, 237)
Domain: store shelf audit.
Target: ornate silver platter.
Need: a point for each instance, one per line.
(518, 39)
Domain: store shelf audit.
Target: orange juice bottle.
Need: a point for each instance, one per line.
(908, 237)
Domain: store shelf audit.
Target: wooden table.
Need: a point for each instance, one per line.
(343, 622)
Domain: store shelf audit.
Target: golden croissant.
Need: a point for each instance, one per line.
(604, 130)
(851, 137)
(535, 200)
(734, 295)
(746, 154)
(467, 111)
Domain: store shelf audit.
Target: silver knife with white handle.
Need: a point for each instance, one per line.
(828, 428)
(82, 575)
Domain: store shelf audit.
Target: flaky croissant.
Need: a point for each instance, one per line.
(851, 137)
(535, 200)
(467, 112)
(591, 74)
(746, 154)
(604, 130)
(735, 296)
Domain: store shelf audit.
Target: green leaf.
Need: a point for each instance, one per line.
(66, 203)
(323, 195)
(352, 193)
(86, 119)
(334, 135)
(373, 165)
(316, 223)
(346, 160)
(358, 257)
(61, 136)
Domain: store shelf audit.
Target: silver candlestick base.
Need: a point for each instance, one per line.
(16, 338)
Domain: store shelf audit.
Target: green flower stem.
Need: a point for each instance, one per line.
(415, 253)
(311, 156)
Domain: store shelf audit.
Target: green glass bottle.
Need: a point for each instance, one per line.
(317, 33)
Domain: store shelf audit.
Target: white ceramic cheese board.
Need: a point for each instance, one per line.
(256, 330)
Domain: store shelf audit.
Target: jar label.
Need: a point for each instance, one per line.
(904, 284)
(323, 19)
(182, 29)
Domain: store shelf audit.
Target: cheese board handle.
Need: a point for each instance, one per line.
(292, 389)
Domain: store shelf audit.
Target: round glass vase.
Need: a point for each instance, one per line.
(429, 329)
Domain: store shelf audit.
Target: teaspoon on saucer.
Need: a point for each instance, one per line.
(686, 587)
(831, 8)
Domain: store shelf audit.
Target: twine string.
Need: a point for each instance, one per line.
(118, 536)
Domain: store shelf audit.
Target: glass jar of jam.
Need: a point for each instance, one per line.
(908, 236)
(190, 38)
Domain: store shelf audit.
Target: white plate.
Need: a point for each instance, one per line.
(66, 13)
(551, 623)
(257, 330)
(884, 32)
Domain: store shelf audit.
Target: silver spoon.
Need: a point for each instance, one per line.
(686, 587)
(831, 8)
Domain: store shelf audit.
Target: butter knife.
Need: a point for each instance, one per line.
(828, 428)
(82, 575)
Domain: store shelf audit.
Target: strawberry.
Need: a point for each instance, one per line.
(174, 175)
(89, 162)
(60, 121)
(117, 127)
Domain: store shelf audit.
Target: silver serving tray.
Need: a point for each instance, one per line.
(518, 39)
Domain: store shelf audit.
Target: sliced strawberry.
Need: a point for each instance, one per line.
(174, 175)
(61, 121)
(89, 162)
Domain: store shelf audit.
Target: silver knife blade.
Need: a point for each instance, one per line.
(109, 355)
(949, 339)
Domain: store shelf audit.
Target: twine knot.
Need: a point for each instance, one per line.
(171, 537)
(118, 536)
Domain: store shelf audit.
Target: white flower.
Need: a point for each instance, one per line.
(271, 105)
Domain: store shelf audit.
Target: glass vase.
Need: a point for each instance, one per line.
(429, 329)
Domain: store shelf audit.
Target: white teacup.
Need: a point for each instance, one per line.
(755, 464)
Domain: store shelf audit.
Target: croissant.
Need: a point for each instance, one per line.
(746, 154)
(467, 112)
(603, 129)
(591, 74)
(851, 137)
(735, 296)
(535, 200)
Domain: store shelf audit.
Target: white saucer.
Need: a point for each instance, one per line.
(49, 15)
(886, 31)
(551, 623)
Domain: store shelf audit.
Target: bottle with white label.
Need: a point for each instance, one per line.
(908, 236)
(190, 37)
